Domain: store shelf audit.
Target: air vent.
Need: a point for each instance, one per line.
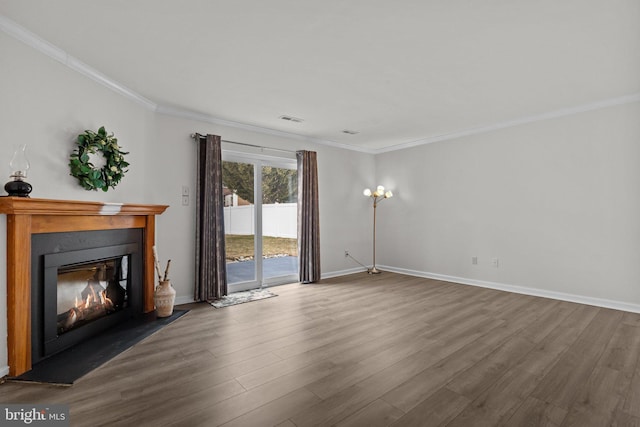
(292, 119)
(350, 132)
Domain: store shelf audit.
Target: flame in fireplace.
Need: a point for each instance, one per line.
(96, 304)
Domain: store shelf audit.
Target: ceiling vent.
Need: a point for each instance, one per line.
(350, 132)
(292, 119)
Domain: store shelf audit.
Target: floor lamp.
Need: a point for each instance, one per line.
(377, 196)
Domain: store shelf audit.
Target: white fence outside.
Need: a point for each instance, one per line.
(278, 220)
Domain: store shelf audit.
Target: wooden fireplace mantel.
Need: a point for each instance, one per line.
(27, 216)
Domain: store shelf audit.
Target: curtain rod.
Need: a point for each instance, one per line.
(193, 135)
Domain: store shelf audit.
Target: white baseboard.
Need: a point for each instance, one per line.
(4, 371)
(580, 299)
(184, 300)
(339, 273)
(598, 302)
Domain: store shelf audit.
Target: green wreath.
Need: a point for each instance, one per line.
(89, 176)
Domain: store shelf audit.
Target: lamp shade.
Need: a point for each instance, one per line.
(380, 189)
(367, 192)
(388, 194)
(19, 163)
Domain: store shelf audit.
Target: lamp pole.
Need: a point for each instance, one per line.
(378, 195)
(374, 270)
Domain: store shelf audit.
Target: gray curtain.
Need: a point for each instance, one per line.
(211, 267)
(308, 217)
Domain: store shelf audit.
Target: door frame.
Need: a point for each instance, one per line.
(258, 161)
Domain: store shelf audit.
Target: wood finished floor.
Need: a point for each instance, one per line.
(369, 351)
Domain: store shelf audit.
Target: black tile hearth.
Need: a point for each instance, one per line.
(67, 366)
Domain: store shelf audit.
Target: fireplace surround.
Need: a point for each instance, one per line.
(27, 217)
(82, 283)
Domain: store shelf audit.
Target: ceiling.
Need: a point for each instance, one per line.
(399, 73)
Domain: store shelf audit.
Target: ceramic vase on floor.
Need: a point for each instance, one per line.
(164, 298)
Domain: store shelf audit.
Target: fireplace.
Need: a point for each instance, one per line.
(82, 284)
(87, 292)
(28, 218)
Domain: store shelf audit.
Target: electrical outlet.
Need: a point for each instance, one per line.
(474, 260)
(346, 253)
(495, 262)
(185, 200)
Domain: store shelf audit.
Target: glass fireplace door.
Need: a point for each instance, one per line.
(90, 291)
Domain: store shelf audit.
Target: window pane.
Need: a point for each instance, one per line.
(279, 222)
(239, 221)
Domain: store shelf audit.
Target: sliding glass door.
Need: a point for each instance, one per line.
(238, 184)
(260, 220)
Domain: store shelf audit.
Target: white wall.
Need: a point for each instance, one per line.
(47, 105)
(556, 201)
(342, 175)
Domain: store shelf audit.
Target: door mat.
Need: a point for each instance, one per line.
(242, 297)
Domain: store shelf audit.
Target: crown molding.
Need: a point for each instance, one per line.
(27, 37)
(611, 102)
(20, 33)
(109, 83)
(30, 39)
(206, 118)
